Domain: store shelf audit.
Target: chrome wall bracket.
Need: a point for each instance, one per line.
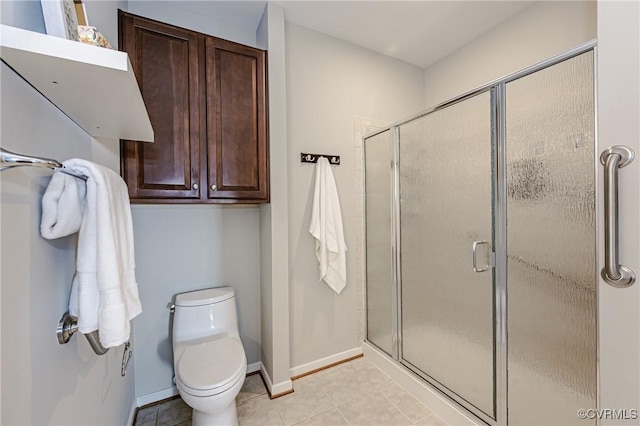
(68, 325)
(614, 274)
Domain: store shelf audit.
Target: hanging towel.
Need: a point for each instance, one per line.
(326, 228)
(104, 293)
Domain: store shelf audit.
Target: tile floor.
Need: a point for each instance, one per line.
(353, 393)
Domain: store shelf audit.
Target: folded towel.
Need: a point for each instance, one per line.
(326, 228)
(104, 294)
(62, 207)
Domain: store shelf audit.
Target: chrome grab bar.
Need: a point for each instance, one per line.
(474, 250)
(613, 273)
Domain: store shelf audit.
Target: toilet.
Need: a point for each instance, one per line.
(208, 358)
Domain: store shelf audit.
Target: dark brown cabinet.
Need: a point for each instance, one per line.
(236, 121)
(206, 100)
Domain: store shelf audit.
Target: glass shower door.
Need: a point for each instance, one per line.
(380, 264)
(446, 239)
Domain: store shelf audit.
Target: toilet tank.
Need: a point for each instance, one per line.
(205, 313)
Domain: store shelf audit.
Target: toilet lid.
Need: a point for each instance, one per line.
(208, 296)
(213, 364)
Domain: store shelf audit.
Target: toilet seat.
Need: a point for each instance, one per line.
(212, 367)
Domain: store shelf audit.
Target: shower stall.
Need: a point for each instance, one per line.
(481, 265)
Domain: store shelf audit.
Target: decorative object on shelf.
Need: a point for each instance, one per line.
(91, 35)
(334, 160)
(81, 12)
(60, 18)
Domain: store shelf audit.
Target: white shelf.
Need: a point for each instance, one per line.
(94, 86)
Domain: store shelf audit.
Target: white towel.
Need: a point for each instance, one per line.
(326, 228)
(62, 207)
(104, 294)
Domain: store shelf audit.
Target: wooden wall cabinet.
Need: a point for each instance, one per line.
(206, 99)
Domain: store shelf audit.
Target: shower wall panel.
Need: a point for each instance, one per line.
(551, 244)
(380, 268)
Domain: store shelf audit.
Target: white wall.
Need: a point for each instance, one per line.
(169, 12)
(44, 382)
(619, 124)
(329, 84)
(22, 14)
(274, 230)
(543, 30)
(103, 14)
(181, 248)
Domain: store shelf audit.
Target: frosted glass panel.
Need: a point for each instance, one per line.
(380, 275)
(551, 287)
(446, 205)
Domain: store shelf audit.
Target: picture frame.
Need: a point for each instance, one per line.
(60, 18)
(81, 13)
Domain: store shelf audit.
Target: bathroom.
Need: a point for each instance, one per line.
(324, 95)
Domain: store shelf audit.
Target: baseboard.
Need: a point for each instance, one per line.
(310, 367)
(132, 413)
(156, 396)
(420, 390)
(252, 368)
(278, 389)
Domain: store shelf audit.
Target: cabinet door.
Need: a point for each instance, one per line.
(236, 122)
(166, 64)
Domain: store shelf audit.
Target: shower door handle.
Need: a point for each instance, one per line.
(474, 256)
(613, 273)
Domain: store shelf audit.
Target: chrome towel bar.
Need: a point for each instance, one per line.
(11, 159)
(614, 158)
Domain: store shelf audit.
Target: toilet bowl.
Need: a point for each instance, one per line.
(209, 361)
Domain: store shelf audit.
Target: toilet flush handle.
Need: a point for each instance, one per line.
(172, 308)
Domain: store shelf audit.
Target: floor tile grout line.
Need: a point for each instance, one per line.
(249, 398)
(358, 396)
(343, 416)
(318, 413)
(334, 404)
(398, 408)
(423, 418)
(312, 416)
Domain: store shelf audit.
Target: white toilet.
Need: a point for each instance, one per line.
(208, 358)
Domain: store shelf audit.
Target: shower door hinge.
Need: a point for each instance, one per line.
(493, 259)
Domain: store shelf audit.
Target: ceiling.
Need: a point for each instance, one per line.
(417, 32)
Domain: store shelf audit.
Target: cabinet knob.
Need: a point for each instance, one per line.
(213, 187)
(194, 186)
